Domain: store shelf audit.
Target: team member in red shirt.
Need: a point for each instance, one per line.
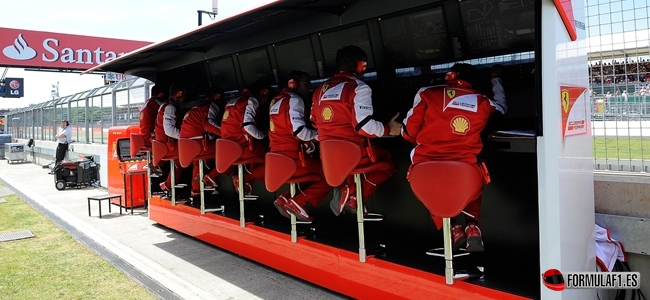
(167, 129)
(240, 124)
(148, 115)
(342, 109)
(200, 123)
(445, 123)
(290, 136)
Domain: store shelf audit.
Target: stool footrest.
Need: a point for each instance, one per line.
(180, 186)
(220, 209)
(303, 222)
(251, 197)
(434, 252)
(372, 217)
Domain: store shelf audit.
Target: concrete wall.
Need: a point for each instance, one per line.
(43, 153)
(623, 199)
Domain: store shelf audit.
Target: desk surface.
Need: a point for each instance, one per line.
(105, 196)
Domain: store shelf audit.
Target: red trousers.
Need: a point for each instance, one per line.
(255, 171)
(177, 168)
(213, 173)
(308, 192)
(370, 181)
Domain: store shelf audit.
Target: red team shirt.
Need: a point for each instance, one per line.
(287, 126)
(342, 109)
(239, 117)
(148, 115)
(200, 119)
(446, 121)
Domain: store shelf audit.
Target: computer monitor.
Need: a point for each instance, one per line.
(222, 72)
(415, 37)
(333, 41)
(507, 25)
(296, 55)
(255, 65)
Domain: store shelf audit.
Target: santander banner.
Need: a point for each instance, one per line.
(59, 51)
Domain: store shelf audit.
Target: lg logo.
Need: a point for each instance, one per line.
(14, 84)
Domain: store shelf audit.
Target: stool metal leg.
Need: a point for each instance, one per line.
(362, 239)
(148, 178)
(449, 264)
(201, 186)
(240, 174)
(173, 187)
(294, 230)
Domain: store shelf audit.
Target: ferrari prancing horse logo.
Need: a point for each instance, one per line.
(451, 93)
(565, 101)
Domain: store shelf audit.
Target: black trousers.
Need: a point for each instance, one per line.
(60, 152)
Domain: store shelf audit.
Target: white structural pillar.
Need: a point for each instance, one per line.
(565, 168)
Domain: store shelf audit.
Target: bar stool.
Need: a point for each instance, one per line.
(159, 152)
(228, 153)
(341, 159)
(190, 150)
(445, 188)
(138, 144)
(279, 169)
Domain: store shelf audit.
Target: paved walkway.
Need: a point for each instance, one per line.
(187, 267)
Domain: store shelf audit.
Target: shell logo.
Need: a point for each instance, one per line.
(451, 93)
(225, 115)
(327, 113)
(272, 126)
(459, 125)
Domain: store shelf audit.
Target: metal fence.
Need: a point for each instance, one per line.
(621, 133)
(620, 125)
(90, 113)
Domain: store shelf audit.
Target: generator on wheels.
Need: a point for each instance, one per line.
(77, 173)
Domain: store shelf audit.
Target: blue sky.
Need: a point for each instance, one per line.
(141, 20)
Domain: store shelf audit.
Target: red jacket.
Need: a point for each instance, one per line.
(342, 109)
(148, 115)
(287, 122)
(166, 122)
(239, 117)
(197, 121)
(446, 121)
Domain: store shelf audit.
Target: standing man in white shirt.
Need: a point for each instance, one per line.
(63, 137)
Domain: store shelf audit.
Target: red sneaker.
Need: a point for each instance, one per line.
(248, 188)
(210, 182)
(163, 187)
(340, 196)
(351, 205)
(300, 211)
(279, 204)
(474, 238)
(458, 236)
